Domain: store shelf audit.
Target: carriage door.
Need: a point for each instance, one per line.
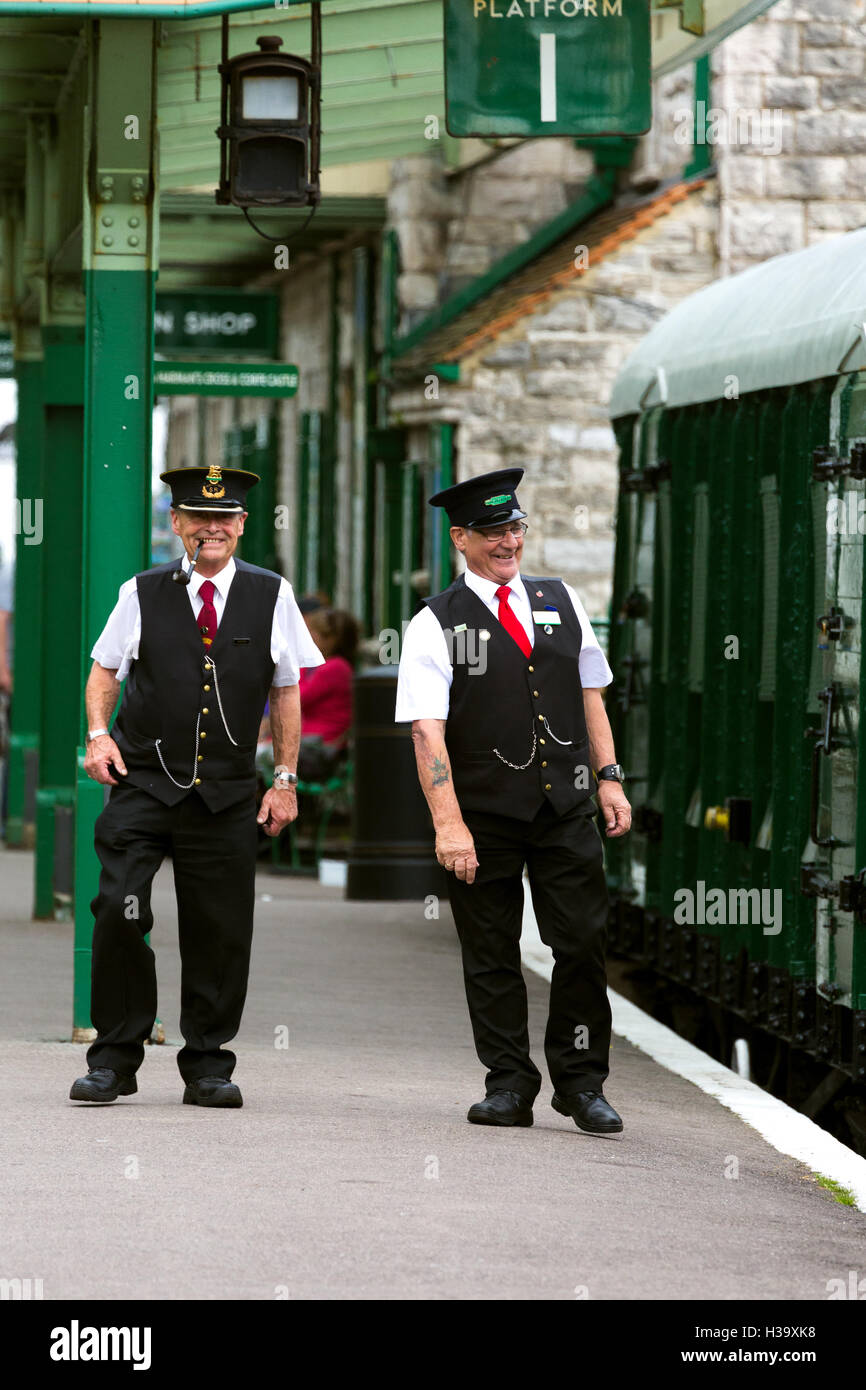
(830, 871)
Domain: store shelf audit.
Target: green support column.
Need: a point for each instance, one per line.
(119, 280)
(63, 345)
(30, 550)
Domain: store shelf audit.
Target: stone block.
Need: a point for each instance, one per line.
(597, 437)
(508, 354)
(805, 177)
(824, 35)
(733, 89)
(831, 132)
(831, 61)
(835, 217)
(756, 231)
(623, 315)
(466, 259)
(416, 291)
(421, 244)
(415, 198)
(580, 555)
(855, 177)
(567, 310)
(844, 91)
(742, 176)
(762, 47)
(799, 93)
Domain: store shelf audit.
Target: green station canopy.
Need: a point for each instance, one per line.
(794, 318)
(383, 69)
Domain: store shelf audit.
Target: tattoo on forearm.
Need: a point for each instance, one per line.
(439, 768)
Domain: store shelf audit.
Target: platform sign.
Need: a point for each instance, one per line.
(227, 321)
(224, 378)
(547, 67)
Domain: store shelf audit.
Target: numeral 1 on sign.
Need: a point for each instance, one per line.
(548, 76)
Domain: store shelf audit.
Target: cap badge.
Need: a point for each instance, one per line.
(213, 483)
(502, 497)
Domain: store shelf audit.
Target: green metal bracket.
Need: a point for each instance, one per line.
(446, 371)
(692, 16)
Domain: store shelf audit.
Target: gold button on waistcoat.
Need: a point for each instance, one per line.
(544, 764)
(530, 668)
(205, 687)
(542, 740)
(205, 710)
(198, 781)
(202, 735)
(547, 786)
(541, 717)
(535, 693)
(208, 668)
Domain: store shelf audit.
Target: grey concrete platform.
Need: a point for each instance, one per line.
(351, 1172)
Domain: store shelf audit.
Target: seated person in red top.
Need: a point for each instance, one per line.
(326, 693)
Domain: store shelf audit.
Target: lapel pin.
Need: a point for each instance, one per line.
(539, 594)
(548, 629)
(484, 634)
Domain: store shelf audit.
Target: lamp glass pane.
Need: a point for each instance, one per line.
(270, 98)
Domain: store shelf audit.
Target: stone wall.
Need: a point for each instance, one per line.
(802, 67)
(537, 396)
(453, 227)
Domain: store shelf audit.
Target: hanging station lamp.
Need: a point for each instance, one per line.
(270, 124)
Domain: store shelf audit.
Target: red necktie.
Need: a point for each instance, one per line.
(513, 626)
(207, 618)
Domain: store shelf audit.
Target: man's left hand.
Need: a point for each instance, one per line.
(279, 808)
(614, 807)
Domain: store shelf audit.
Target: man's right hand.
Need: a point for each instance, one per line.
(100, 752)
(455, 851)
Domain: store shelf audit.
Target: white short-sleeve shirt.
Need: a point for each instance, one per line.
(425, 675)
(291, 644)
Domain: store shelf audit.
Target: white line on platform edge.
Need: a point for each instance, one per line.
(784, 1128)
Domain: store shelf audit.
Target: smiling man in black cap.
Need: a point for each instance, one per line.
(201, 645)
(501, 677)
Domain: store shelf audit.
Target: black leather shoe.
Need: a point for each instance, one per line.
(213, 1090)
(590, 1112)
(102, 1084)
(501, 1108)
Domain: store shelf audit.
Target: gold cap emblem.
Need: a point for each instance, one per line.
(213, 483)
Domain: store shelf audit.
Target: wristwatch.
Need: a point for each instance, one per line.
(95, 733)
(283, 779)
(612, 772)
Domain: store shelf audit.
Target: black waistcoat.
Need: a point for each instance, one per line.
(514, 698)
(176, 678)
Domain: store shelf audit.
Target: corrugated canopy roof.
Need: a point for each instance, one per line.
(794, 318)
(514, 296)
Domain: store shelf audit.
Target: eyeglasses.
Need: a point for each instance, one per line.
(517, 529)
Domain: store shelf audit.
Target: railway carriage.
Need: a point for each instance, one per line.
(736, 635)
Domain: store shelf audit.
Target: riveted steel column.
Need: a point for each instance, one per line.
(120, 218)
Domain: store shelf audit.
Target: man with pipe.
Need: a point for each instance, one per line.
(501, 676)
(201, 646)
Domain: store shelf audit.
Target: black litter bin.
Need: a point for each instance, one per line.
(392, 853)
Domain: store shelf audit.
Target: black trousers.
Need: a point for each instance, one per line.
(214, 858)
(564, 861)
